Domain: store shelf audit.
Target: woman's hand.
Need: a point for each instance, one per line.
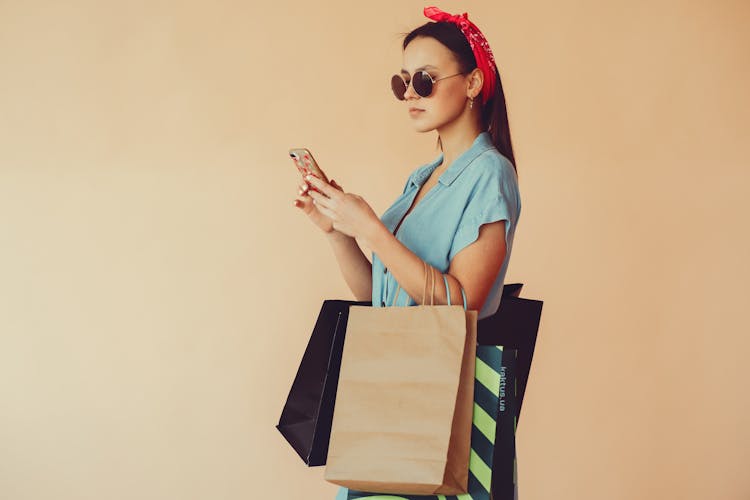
(305, 203)
(349, 213)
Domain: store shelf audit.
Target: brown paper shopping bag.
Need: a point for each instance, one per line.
(403, 412)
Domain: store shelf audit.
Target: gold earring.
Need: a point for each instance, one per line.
(471, 104)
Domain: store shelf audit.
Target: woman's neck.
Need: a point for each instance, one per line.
(456, 138)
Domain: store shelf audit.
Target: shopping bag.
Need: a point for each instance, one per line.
(402, 419)
(306, 418)
(515, 325)
(305, 421)
(504, 484)
(492, 432)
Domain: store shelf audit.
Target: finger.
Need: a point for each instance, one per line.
(301, 194)
(303, 202)
(305, 199)
(325, 188)
(328, 213)
(318, 199)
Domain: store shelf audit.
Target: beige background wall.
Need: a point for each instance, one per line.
(157, 287)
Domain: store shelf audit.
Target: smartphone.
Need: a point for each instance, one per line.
(306, 164)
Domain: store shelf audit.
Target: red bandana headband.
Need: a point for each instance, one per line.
(479, 46)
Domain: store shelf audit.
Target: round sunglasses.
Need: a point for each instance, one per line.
(422, 82)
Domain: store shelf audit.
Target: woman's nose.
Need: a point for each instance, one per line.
(410, 93)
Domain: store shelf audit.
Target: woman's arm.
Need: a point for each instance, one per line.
(475, 267)
(355, 267)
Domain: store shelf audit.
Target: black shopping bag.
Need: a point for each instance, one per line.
(514, 326)
(306, 419)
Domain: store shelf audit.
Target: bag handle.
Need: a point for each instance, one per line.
(424, 293)
(448, 291)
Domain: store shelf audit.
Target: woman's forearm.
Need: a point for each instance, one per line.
(354, 265)
(408, 269)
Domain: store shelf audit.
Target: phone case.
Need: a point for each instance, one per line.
(306, 164)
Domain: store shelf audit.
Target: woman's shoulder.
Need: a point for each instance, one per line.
(490, 168)
(492, 162)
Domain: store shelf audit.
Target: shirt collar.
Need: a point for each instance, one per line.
(482, 143)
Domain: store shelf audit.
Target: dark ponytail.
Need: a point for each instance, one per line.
(494, 111)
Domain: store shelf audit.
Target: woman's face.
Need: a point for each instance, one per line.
(448, 99)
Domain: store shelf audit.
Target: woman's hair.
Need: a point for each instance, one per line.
(494, 112)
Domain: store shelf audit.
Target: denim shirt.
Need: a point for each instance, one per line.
(479, 187)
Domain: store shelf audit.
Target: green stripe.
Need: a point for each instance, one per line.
(484, 422)
(384, 497)
(480, 469)
(391, 497)
(487, 377)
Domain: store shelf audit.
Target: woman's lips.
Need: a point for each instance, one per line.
(415, 111)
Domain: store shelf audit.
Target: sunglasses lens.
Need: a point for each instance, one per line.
(398, 86)
(422, 84)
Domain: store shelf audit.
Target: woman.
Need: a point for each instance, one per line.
(457, 213)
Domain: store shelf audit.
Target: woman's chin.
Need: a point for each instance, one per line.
(422, 126)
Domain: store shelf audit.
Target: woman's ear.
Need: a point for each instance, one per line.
(476, 80)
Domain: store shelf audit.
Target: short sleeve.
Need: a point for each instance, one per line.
(493, 198)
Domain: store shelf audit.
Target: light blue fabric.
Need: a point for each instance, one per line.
(342, 493)
(479, 187)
